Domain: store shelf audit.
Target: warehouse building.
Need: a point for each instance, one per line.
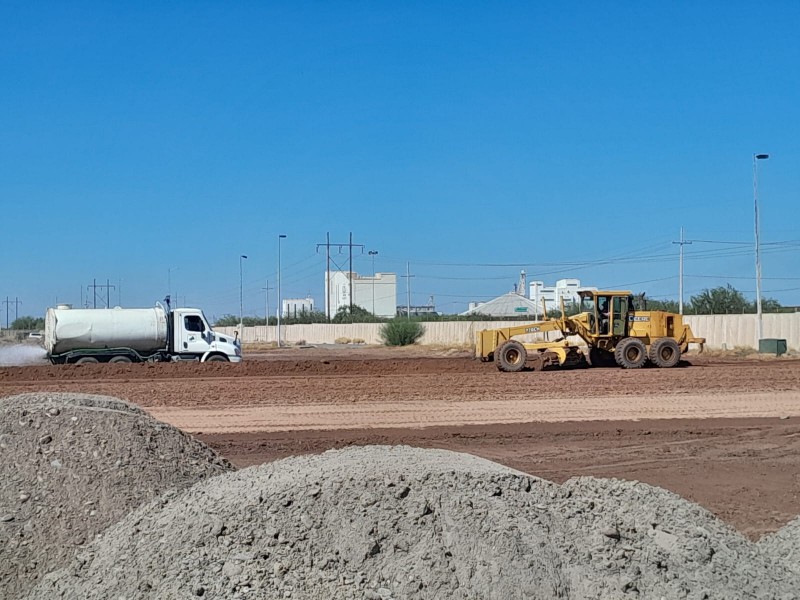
(376, 294)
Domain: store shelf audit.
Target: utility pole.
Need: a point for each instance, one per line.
(408, 277)
(94, 287)
(350, 245)
(8, 302)
(373, 253)
(266, 302)
(682, 243)
(328, 245)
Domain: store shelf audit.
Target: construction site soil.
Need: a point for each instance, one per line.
(723, 432)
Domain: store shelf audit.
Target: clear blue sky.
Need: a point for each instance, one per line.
(142, 137)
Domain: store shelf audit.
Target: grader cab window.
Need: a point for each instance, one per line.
(620, 318)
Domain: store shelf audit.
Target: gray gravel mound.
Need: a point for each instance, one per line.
(73, 464)
(395, 522)
(784, 545)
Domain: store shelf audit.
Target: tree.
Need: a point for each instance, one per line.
(227, 321)
(665, 305)
(720, 301)
(356, 315)
(28, 323)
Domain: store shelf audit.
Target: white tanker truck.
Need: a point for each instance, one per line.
(125, 335)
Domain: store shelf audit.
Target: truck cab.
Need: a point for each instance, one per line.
(193, 338)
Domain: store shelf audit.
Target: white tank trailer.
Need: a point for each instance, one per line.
(125, 335)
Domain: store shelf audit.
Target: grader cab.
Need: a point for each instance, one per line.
(613, 329)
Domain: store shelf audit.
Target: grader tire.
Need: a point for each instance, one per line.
(665, 353)
(630, 353)
(511, 356)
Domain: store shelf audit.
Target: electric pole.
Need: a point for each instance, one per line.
(266, 302)
(408, 277)
(328, 245)
(94, 287)
(682, 243)
(8, 302)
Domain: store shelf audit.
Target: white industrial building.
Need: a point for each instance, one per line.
(515, 304)
(291, 307)
(564, 288)
(511, 304)
(376, 294)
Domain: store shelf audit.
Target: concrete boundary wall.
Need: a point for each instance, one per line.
(721, 331)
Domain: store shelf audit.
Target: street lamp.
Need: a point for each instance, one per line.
(280, 302)
(760, 325)
(373, 253)
(241, 295)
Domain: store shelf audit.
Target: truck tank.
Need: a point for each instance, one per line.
(142, 329)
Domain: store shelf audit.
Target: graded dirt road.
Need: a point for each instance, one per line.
(716, 431)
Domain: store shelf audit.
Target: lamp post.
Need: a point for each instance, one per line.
(373, 253)
(280, 302)
(760, 325)
(242, 257)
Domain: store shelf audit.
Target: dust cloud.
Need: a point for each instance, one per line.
(20, 355)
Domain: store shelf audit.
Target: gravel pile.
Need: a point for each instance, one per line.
(377, 523)
(784, 546)
(71, 465)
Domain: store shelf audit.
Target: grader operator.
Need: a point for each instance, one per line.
(612, 328)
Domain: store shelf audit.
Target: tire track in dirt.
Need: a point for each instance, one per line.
(427, 413)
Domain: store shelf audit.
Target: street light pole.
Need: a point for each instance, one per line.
(372, 253)
(241, 295)
(760, 324)
(280, 301)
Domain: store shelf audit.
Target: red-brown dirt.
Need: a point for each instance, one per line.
(715, 432)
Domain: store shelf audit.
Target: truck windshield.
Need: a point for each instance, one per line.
(587, 304)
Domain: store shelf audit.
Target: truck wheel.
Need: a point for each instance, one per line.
(665, 353)
(510, 356)
(120, 359)
(217, 358)
(630, 353)
(86, 360)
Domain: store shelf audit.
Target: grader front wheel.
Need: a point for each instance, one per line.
(510, 356)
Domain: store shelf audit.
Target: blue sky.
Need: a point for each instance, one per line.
(141, 142)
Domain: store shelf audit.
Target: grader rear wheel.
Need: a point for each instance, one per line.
(511, 356)
(630, 353)
(665, 353)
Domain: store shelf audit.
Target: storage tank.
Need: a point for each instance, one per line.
(142, 329)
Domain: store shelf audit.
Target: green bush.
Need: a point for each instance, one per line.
(401, 332)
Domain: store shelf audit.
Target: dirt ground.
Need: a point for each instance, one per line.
(722, 432)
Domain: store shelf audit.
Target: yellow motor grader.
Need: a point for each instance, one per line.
(614, 330)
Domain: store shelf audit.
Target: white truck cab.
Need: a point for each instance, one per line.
(193, 337)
